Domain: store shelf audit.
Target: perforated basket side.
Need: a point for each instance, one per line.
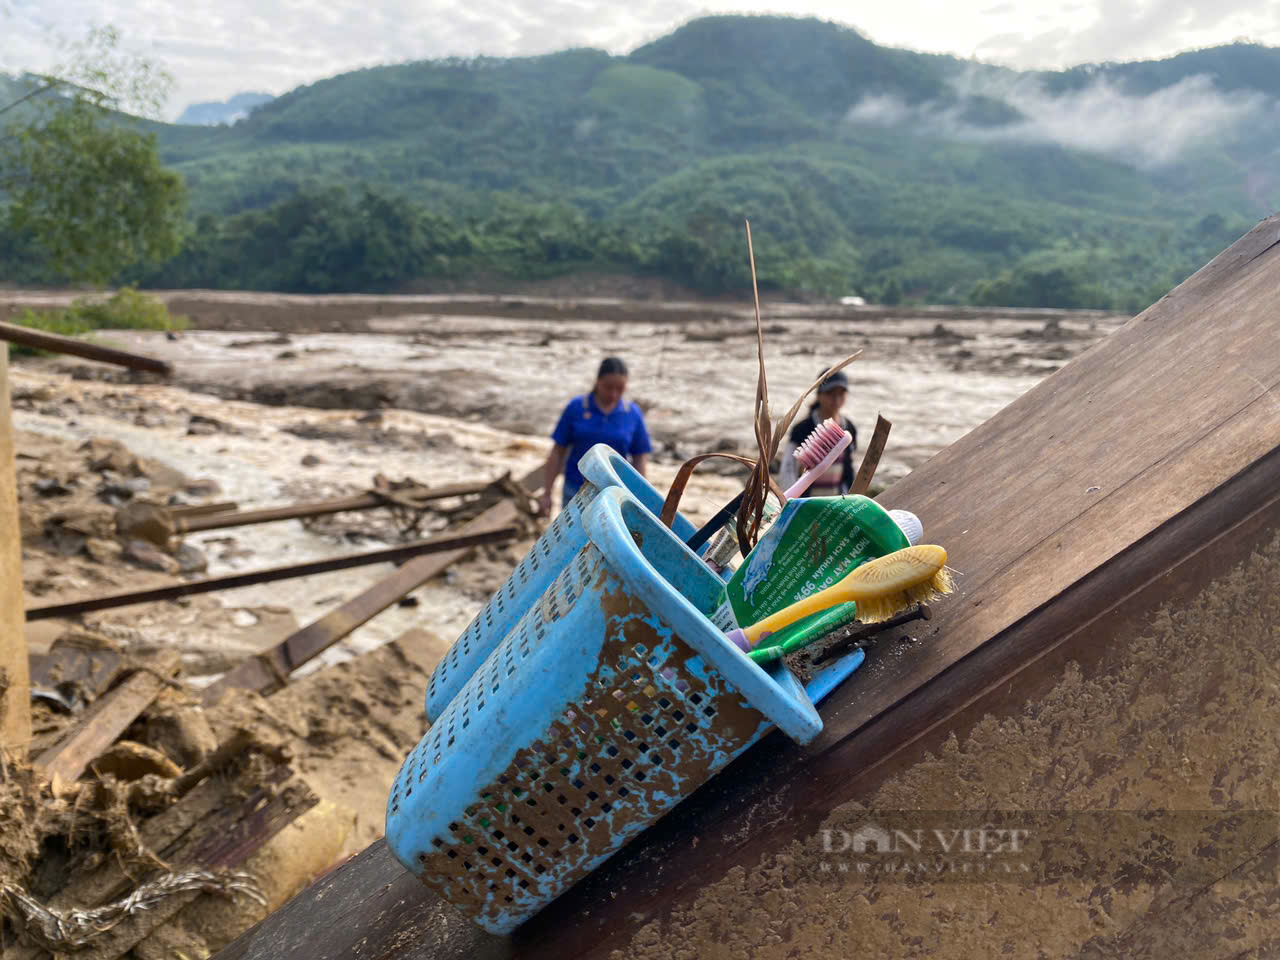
(559, 541)
(655, 726)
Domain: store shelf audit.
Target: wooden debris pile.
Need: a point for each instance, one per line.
(135, 803)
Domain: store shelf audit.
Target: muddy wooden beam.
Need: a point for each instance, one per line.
(102, 723)
(224, 841)
(270, 670)
(188, 523)
(379, 911)
(15, 695)
(79, 348)
(168, 834)
(386, 555)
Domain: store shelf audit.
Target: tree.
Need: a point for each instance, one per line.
(79, 176)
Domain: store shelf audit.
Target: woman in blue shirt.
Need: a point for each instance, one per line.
(601, 416)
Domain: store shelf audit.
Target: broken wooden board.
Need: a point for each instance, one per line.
(225, 841)
(268, 671)
(1126, 478)
(99, 726)
(214, 826)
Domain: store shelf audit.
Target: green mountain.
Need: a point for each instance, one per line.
(861, 167)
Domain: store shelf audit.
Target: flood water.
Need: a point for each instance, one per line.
(467, 398)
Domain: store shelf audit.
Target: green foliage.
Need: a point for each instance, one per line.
(470, 170)
(127, 309)
(92, 194)
(79, 181)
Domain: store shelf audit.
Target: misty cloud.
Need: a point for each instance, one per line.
(215, 48)
(1148, 131)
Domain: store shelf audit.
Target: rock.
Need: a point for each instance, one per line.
(191, 559)
(64, 540)
(91, 521)
(200, 425)
(181, 731)
(311, 460)
(202, 487)
(244, 618)
(127, 760)
(148, 556)
(115, 494)
(41, 394)
(103, 550)
(147, 521)
(51, 487)
(103, 454)
(163, 476)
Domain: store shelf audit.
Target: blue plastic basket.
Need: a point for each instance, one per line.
(602, 467)
(612, 699)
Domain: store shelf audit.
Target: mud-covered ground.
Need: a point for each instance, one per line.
(695, 380)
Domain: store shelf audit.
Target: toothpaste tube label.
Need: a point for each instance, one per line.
(813, 545)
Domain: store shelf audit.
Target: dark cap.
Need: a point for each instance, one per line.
(837, 381)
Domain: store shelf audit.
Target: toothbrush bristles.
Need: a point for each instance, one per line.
(819, 443)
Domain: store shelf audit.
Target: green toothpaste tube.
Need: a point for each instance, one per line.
(812, 545)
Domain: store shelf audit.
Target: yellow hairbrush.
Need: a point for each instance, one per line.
(880, 588)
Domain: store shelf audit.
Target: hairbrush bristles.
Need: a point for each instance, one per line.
(894, 582)
(889, 605)
(819, 443)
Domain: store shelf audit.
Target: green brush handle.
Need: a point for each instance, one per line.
(800, 634)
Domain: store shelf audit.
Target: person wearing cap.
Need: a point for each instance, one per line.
(839, 478)
(602, 415)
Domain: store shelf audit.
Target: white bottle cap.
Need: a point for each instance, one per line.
(909, 524)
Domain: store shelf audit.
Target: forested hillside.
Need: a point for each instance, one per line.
(862, 168)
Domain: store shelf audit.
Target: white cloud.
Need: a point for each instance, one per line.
(1147, 131)
(215, 49)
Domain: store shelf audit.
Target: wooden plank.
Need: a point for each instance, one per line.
(397, 554)
(370, 908)
(102, 723)
(267, 671)
(1131, 475)
(15, 691)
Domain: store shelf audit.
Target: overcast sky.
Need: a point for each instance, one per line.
(216, 49)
